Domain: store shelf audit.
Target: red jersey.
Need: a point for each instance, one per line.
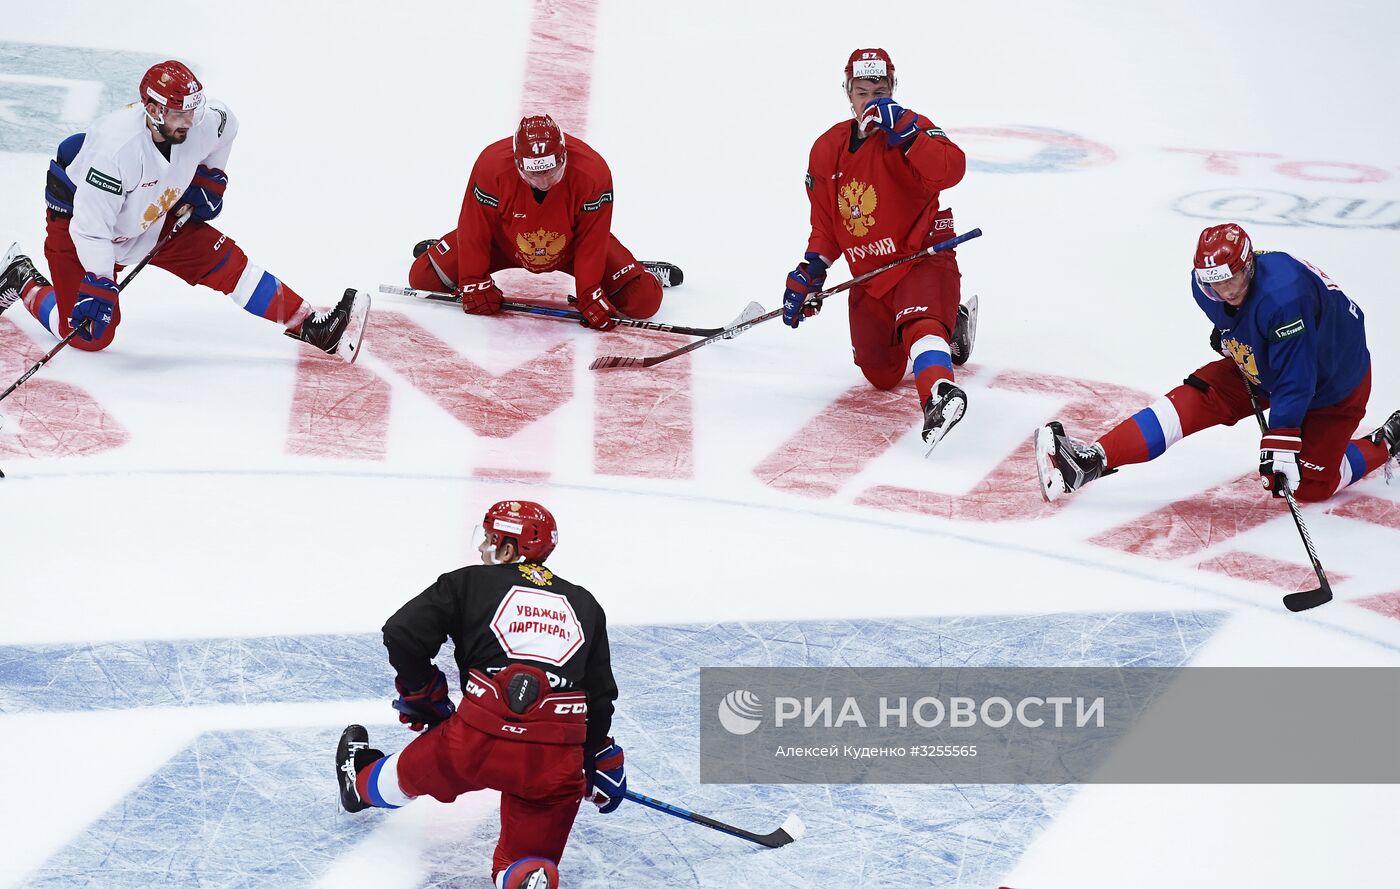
(873, 203)
(569, 227)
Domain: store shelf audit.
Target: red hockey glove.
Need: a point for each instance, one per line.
(480, 296)
(425, 707)
(1278, 457)
(597, 311)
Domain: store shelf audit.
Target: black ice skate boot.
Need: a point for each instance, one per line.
(352, 754)
(669, 274)
(1065, 464)
(942, 411)
(16, 273)
(339, 331)
(964, 332)
(1387, 435)
(424, 246)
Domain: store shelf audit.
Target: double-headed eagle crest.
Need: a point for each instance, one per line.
(856, 202)
(540, 248)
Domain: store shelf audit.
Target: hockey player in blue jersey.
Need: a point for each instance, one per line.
(1301, 342)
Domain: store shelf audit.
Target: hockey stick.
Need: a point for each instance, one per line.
(608, 362)
(792, 829)
(174, 229)
(753, 310)
(1304, 599)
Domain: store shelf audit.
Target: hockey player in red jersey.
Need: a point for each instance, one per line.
(537, 698)
(1299, 340)
(541, 201)
(874, 184)
(116, 190)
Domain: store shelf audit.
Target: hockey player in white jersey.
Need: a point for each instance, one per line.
(114, 192)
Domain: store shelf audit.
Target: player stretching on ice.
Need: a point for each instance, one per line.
(110, 195)
(541, 201)
(537, 698)
(874, 184)
(1301, 342)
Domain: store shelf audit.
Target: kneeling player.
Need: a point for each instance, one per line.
(110, 195)
(541, 201)
(1302, 343)
(874, 184)
(537, 702)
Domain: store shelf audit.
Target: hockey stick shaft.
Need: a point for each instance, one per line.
(1303, 599)
(562, 314)
(608, 361)
(179, 224)
(773, 840)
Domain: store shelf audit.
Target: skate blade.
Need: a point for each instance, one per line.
(349, 347)
(9, 256)
(1052, 481)
(970, 324)
(956, 409)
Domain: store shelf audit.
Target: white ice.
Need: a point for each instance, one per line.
(191, 617)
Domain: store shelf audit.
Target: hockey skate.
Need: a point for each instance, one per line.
(668, 274)
(1387, 435)
(352, 754)
(16, 271)
(942, 411)
(424, 246)
(530, 873)
(1065, 464)
(338, 331)
(964, 332)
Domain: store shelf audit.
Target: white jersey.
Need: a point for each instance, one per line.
(123, 185)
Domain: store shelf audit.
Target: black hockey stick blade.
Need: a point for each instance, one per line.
(792, 830)
(753, 314)
(1302, 601)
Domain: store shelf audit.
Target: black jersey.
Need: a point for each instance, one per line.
(497, 615)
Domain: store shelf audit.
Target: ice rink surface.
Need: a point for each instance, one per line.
(206, 524)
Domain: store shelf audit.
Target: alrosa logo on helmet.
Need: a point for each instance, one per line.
(740, 712)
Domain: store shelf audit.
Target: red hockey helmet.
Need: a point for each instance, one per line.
(540, 153)
(1222, 252)
(873, 64)
(529, 524)
(172, 86)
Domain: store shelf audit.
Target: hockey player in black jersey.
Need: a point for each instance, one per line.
(537, 698)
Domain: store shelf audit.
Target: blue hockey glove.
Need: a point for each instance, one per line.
(97, 300)
(807, 278)
(897, 121)
(425, 707)
(607, 778)
(205, 196)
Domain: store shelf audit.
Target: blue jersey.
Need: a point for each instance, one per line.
(1297, 337)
